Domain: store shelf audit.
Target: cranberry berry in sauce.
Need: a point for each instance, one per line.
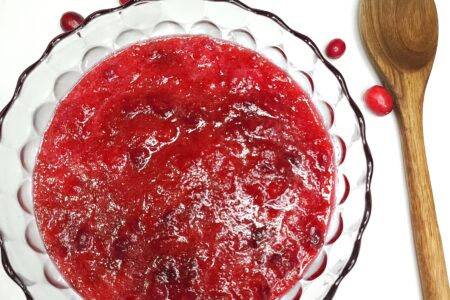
(184, 168)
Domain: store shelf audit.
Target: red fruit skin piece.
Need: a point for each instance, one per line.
(123, 2)
(379, 100)
(336, 48)
(70, 21)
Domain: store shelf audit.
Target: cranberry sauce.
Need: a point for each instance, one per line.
(184, 168)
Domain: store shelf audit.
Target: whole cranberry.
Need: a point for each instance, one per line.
(336, 48)
(71, 20)
(379, 100)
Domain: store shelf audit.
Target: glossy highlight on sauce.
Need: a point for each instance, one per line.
(184, 168)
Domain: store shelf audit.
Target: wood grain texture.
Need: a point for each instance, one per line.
(401, 39)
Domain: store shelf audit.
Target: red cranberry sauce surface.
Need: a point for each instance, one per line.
(184, 168)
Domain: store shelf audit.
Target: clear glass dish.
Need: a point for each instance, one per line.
(70, 55)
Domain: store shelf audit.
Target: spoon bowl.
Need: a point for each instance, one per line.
(401, 35)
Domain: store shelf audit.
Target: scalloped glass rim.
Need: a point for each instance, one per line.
(316, 274)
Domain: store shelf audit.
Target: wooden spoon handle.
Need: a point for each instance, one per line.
(429, 252)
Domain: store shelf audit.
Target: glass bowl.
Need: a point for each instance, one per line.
(69, 56)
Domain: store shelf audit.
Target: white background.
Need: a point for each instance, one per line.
(386, 268)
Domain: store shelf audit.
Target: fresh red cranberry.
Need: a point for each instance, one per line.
(71, 20)
(379, 100)
(336, 48)
(123, 2)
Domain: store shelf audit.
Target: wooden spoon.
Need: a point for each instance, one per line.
(401, 39)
